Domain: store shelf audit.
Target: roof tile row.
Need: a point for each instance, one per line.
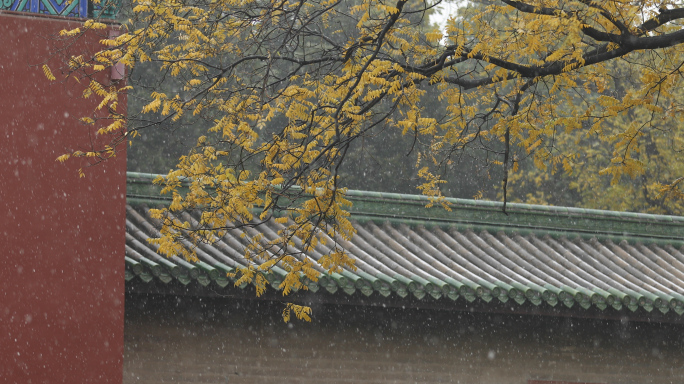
(450, 262)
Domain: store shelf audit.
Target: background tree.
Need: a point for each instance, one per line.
(382, 161)
(587, 183)
(289, 89)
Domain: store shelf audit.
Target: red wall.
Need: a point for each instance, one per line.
(61, 236)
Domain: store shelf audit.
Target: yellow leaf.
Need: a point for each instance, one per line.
(48, 73)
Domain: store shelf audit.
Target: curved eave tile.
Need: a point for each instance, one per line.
(447, 264)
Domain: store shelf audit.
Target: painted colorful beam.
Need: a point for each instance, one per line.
(67, 8)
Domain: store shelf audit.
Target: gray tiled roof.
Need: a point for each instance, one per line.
(543, 255)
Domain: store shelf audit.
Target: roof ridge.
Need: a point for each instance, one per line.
(382, 206)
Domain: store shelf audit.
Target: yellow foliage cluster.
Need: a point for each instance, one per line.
(287, 87)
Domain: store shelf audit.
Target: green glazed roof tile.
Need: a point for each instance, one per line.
(613, 261)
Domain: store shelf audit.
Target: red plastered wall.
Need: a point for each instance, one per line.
(61, 236)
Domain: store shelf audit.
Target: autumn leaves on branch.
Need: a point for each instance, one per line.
(285, 89)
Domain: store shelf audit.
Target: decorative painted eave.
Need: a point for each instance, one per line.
(105, 9)
(547, 256)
